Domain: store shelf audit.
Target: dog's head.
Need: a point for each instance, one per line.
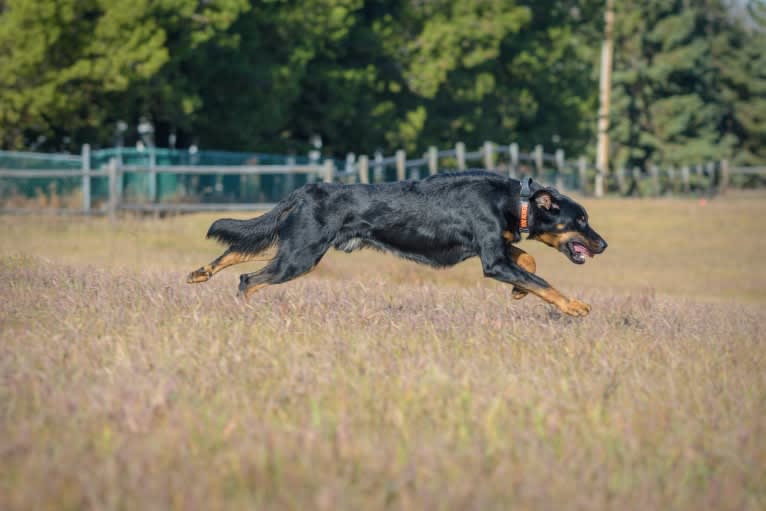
(563, 224)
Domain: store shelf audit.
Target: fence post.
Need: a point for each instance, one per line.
(582, 171)
(85, 165)
(685, 179)
(723, 181)
(560, 169)
(120, 163)
(636, 184)
(671, 179)
(364, 169)
(378, 167)
(460, 155)
(488, 151)
(329, 170)
(152, 175)
(433, 160)
(539, 159)
(314, 159)
(289, 178)
(348, 166)
(401, 159)
(598, 185)
(114, 192)
(654, 171)
(350, 159)
(710, 171)
(621, 179)
(513, 149)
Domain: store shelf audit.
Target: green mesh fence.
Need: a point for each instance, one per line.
(66, 192)
(57, 192)
(201, 188)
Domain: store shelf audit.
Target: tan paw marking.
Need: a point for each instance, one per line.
(575, 307)
(197, 276)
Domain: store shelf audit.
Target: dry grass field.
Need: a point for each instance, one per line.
(376, 383)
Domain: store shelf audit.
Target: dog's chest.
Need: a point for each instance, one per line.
(350, 245)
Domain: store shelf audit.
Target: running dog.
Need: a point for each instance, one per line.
(439, 221)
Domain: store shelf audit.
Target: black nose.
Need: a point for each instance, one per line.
(603, 245)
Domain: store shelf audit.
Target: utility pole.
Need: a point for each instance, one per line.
(605, 86)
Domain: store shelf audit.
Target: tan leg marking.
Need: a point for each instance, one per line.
(570, 306)
(523, 259)
(227, 259)
(527, 262)
(250, 291)
(509, 236)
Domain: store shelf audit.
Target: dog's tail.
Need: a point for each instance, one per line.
(250, 236)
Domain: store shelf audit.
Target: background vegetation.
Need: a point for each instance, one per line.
(384, 74)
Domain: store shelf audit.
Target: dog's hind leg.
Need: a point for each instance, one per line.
(525, 261)
(291, 262)
(228, 258)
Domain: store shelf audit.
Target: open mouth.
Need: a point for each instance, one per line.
(577, 252)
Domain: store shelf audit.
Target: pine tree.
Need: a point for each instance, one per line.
(740, 58)
(687, 86)
(69, 68)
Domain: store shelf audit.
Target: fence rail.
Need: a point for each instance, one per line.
(49, 173)
(225, 169)
(553, 168)
(751, 171)
(42, 156)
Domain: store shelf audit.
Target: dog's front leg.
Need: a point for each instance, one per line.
(497, 265)
(526, 261)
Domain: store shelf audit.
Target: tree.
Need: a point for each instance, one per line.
(689, 81)
(686, 84)
(298, 69)
(740, 59)
(70, 68)
(504, 71)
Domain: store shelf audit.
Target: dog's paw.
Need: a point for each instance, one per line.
(575, 308)
(246, 291)
(197, 276)
(518, 294)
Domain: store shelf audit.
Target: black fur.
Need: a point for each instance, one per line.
(438, 221)
(249, 236)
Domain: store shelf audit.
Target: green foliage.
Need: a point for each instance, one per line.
(67, 67)
(385, 74)
(504, 71)
(688, 84)
(459, 35)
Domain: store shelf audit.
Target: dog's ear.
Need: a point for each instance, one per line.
(544, 199)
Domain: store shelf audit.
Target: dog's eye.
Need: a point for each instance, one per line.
(582, 221)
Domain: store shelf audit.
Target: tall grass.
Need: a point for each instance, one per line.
(375, 383)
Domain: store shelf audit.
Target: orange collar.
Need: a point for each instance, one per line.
(524, 217)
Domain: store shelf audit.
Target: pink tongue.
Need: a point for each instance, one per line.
(581, 249)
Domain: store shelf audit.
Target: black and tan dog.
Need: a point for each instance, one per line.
(438, 221)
